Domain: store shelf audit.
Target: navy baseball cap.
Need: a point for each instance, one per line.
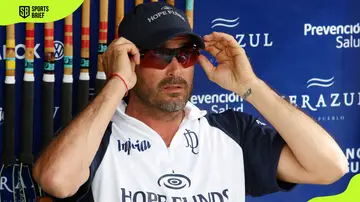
(150, 25)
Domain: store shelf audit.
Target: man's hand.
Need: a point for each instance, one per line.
(71, 153)
(234, 71)
(121, 57)
(310, 155)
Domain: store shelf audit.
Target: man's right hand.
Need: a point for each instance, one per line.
(116, 59)
(70, 154)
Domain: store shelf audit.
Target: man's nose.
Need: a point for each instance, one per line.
(174, 68)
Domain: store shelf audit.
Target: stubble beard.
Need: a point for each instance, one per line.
(156, 98)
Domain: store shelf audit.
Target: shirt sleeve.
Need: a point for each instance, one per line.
(262, 146)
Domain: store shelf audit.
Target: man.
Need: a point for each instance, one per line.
(157, 146)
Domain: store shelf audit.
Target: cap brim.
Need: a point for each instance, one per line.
(160, 38)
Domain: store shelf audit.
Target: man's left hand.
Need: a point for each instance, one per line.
(234, 71)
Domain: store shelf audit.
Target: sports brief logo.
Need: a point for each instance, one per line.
(347, 35)
(24, 11)
(174, 181)
(35, 11)
(139, 146)
(192, 141)
(244, 39)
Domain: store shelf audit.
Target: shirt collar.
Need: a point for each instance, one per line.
(192, 112)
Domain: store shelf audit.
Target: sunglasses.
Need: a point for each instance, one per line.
(159, 58)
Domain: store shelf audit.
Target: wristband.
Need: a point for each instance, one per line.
(127, 89)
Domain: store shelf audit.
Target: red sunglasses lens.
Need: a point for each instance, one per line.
(159, 59)
(188, 58)
(151, 59)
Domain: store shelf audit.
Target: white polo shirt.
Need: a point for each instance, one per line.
(212, 158)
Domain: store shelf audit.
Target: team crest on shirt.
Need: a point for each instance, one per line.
(192, 141)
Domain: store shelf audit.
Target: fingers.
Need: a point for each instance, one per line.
(218, 44)
(124, 46)
(222, 38)
(222, 44)
(121, 40)
(207, 66)
(134, 51)
(215, 44)
(212, 50)
(219, 54)
(121, 56)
